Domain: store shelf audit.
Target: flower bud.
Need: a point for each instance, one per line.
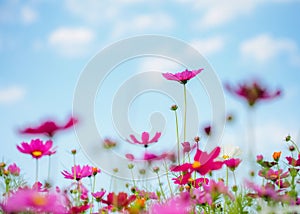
(73, 151)
(130, 166)
(288, 138)
(291, 148)
(174, 107)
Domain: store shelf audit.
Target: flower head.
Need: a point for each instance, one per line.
(253, 92)
(25, 200)
(229, 151)
(36, 148)
(98, 195)
(14, 169)
(119, 201)
(294, 162)
(203, 162)
(49, 128)
(78, 172)
(182, 77)
(145, 139)
(276, 156)
(232, 163)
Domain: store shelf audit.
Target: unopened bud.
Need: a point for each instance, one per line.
(174, 107)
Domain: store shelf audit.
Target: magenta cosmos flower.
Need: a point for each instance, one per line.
(293, 162)
(252, 92)
(118, 201)
(145, 139)
(182, 77)
(36, 148)
(14, 169)
(78, 172)
(25, 200)
(232, 163)
(49, 128)
(203, 163)
(98, 195)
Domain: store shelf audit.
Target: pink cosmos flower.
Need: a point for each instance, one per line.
(187, 147)
(80, 209)
(182, 77)
(36, 148)
(25, 200)
(119, 201)
(216, 188)
(145, 139)
(203, 163)
(232, 163)
(266, 192)
(272, 174)
(49, 128)
(14, 169)
(293, 162)
(177, 205)
(98, 195)
(78, 172)
(253, 92)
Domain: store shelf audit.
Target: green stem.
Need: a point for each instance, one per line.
(134, 185)
(49, 168)
(160, 186)
(74, 161)
(36, 170)
(168, 180)
(185, 110)
(177, 137)
(234, 178)
(227, 176)
(295, 146)
(93, 190)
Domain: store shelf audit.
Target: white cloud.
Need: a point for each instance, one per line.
(96, 11)
(142, 23)
(264, 48)
(71, 42)
(216, 12)
(209, 46)
(28, 15)
(159, 65)
(11, 94)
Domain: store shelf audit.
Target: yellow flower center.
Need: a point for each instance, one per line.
(196, 164)
(225, 157)
(36, 153)
(39, 200)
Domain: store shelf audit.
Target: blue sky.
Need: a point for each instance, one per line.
(44, 46)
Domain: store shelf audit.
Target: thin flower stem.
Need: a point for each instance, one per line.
(49, 168)
(93, 190)
(134, 184)
(185, 110)
(160, 186)
(295, 146)
(227, 176)
(251, 137)
(74, 161)
(168, 180)
(37, 170)
(234, 178)
(177, 137)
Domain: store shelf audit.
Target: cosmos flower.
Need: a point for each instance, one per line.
(145, 139)
(203, 163)
(98, 195)
(119, 201)
(214, 189)
(176, 205)
(272, 174)
(229, 151)
(187, 147)
(182, 77)
(36, 148)
(34, 201)
(49, 128)
(293, 162)
(232, 163)
(80, 209)
(14, 169)
(252, 92)
(78, 172)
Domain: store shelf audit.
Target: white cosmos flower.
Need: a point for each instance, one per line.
(229, 151)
